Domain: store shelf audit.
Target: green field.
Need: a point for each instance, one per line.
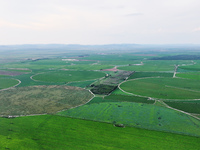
(191, 107)
(68, 76)
(129, 98)
(81, 84)
(41, 99)
(137, 115)
(149, 74)
(191, 75)
(66, 100)
(6, 83)
(164, 88)
(88, 67)
(3, 76)
(27, 81)
(195, 67)
(56, 132)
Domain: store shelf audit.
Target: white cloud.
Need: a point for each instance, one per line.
(196, 29)
(98, 22)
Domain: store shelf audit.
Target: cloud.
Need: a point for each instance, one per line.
(196, 29)
(134, 14)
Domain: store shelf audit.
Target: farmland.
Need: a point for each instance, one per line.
(163, 88)
(95, 99)
(137, 115)
(67, 76)
(56, 132)
(7, 83)
(41, 99)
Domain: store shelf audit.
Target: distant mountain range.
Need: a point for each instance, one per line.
(108, 47)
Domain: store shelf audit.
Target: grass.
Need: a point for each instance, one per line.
(186, 106)
(120, 92)
(88, 67)
(18, 70)
(191, 75)
(164, 88)
(137, 115)
(100, 100)
(6, 83)
(41, 99)
(81, 84)
(195, 67)
(129, 98)
(56, 132)
(150, 66)
(68, 76)
(150, 74)
(1, 76)
(27, 81)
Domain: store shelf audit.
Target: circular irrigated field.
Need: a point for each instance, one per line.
(68, 76)
(6, 83)
(163, 88)
(41, 99)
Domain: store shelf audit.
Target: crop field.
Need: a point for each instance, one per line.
(129, 98)
(3, 76)
(56, 132)
(149, 74)
(191, 107)
(164, 88)
(191, 75)
(81, 84)
(41, 99)
(6, 83)
(88, 67)
(195, 67)
(100, 99)
(137, 115)
(68, 76)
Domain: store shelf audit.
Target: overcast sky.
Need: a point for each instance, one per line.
(99, 21)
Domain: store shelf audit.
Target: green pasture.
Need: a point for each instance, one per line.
(190, 107)
(81, 84)
(195, 67)
(120, 92)
(190, 75)
(7, 82)
(68, 76)
(34, 65)
(154, 65)
(101, 100)
(148, 67)
(137, 115)
(56, 132)
(27, 81)
(22, 70)
(129, 98)
(164, 88)
(1, 76)
(113, 57)
(88, 67)
(149, 74)
(41, 99)
(57, 61)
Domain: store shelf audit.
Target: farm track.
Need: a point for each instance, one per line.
(181, 111)
(175, 70)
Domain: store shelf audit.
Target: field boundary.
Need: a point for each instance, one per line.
(180, 111)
